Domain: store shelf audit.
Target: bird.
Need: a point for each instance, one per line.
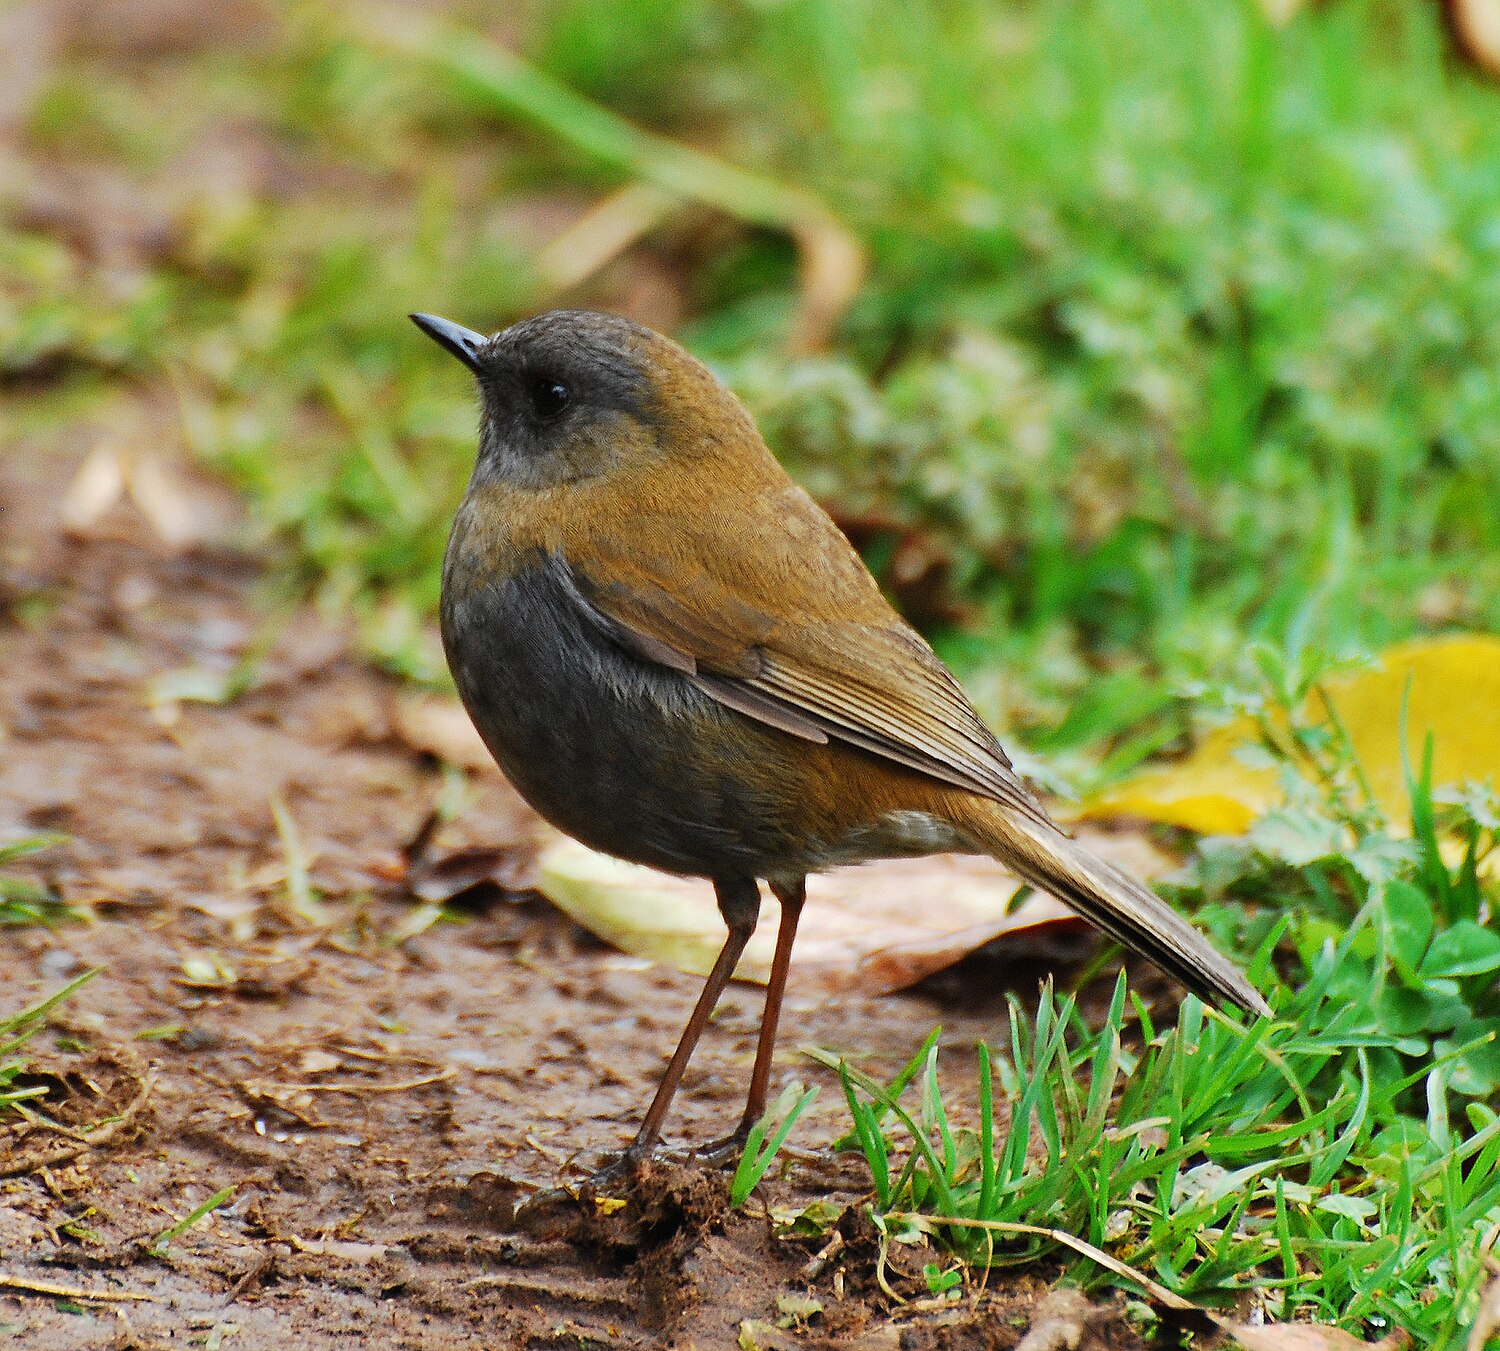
(677, 658)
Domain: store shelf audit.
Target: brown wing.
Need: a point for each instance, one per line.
(839, 665)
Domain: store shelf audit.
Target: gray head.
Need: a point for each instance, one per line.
(565, 395)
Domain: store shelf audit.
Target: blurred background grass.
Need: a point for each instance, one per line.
(1179, 330)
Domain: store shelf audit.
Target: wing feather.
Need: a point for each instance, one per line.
(869, 680)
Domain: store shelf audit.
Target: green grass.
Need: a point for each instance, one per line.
(1178, 328)
(25, 901)
(1340, 1163)
(16, 1029)
(1215, 1161)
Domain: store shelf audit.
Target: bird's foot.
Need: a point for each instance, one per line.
(726, 1150)
(600, 1193)
(619, 1177)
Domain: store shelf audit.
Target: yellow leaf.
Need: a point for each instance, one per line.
(1454, 695)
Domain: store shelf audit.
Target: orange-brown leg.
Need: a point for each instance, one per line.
(791, 898)
(739, 903)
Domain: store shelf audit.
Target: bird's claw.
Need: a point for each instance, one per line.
(723, 1151)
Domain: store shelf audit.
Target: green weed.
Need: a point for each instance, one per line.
(24, 901)
(16, 1029)
(766, 1138)
(1178, 328)
(1341, 1162)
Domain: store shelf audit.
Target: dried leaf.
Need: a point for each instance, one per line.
(441, 728)
(1454, 695)
(345, 1250)
(96, 487)
(181, 512)
(875, 928)
(1306, 1337)
(177, 515)
(602, 234)
(315, 1060)
(1476, 28)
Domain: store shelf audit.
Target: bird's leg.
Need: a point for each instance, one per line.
(739, 903)
(791, 897)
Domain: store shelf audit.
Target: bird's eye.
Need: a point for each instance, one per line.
(549, 398)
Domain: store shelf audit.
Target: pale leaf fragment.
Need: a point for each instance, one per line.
(1476, 26)
(345, 1250)
(95, 488)
(1306, 1337)
(875, 928)
(441, 728)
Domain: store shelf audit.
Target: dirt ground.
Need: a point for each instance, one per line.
(379, 1106)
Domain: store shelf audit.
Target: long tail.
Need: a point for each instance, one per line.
(1125, 909)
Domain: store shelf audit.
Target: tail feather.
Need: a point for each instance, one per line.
(1125, 909)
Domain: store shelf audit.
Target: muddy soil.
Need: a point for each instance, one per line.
(379, 1104)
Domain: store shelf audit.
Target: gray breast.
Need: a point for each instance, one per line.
(625, 755)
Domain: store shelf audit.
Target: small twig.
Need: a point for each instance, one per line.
(358, 1089)
(252, 1276)
(817, 1264)
(30, 1287)
(384, 1057)
(1160, 1293)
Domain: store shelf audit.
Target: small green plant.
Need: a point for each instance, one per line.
(163, 1240)
(1213, 1158)
(16, 1029)
(1405, 904)
(766, 1138)
(23, 901)
(1342, 1162)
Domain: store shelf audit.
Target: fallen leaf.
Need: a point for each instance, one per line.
(441, 728)
(875, 928)
(798, 1307)
(180, 511)
(1476, 29)
(167, 501)
(757, 1335)
(1454, 686)
(1306, 1337)
(206, 971)
(95, 488)
(317, 1061)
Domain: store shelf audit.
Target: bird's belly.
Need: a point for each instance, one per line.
(628, 757)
